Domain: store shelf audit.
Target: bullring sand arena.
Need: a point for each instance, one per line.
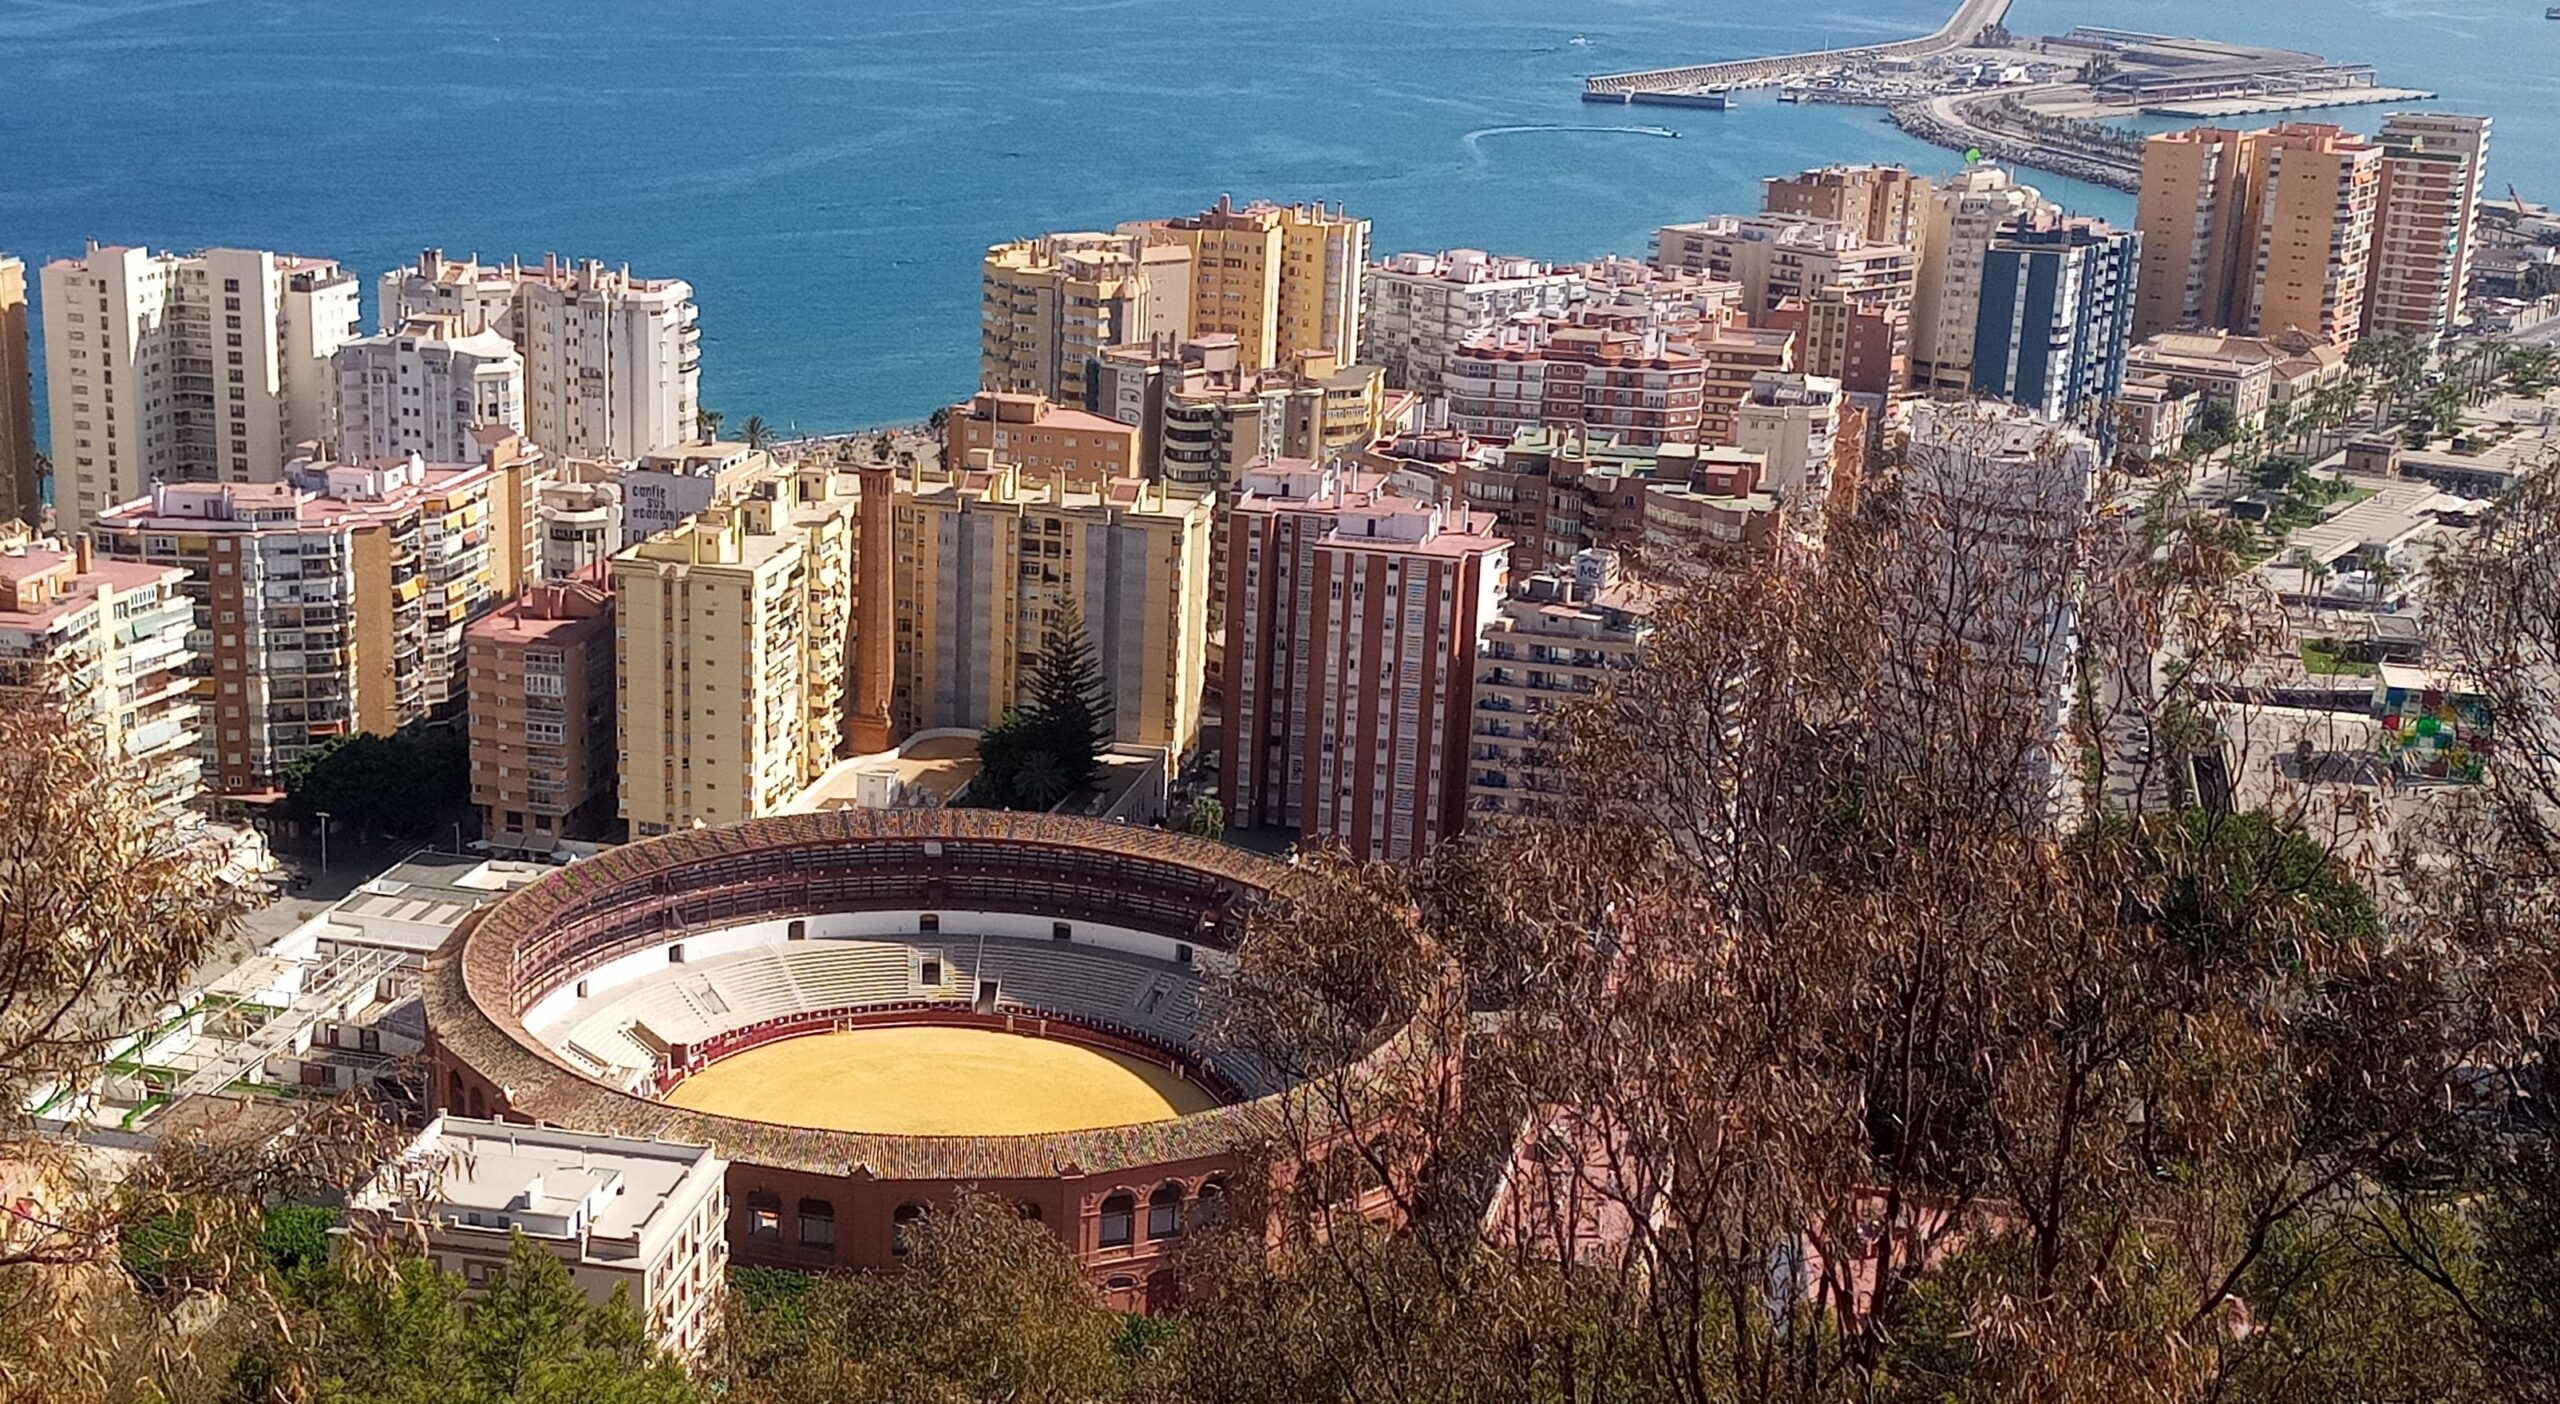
(926, 1081)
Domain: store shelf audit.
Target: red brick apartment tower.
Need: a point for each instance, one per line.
(1353, 617)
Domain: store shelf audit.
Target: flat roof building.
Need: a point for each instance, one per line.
(648, 1218)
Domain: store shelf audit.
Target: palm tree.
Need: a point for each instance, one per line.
(708, 422)
(758, 434)
(2315, 573)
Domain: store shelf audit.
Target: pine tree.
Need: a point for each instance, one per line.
(1069, 710)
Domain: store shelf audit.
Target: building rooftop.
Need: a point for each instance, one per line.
(545, 1182)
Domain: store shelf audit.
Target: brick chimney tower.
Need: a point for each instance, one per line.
(867, 729)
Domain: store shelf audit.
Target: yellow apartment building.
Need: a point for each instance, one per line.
(988, 553)
(730, 633)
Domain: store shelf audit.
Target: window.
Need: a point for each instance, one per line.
(817, 1224)
(799, 931)
(764, 1215)
(930, 973)
(1205, 1207)
(1061, 931)
(1027, 1211)
(675, 954)
(930, 921)
(1164, 1212)
(1181, 953)
(1119, 1219)
(900, 1241)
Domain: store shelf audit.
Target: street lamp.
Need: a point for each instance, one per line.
(324, 839)
(457, 840)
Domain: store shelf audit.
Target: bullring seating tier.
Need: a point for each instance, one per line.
(1081, 983)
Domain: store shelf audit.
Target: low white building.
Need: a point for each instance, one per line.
(620, 1212)
(423, 388)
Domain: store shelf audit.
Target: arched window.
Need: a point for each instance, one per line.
(1161, 1296)
(1119, 1219)
(764, 1215)
(1209, 1204)
(453, 1092)
(901, 1241)
(1029, 1210)
(817, 1224)
(1164, 1211)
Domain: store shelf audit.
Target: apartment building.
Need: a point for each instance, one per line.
(331, 602)
(426, 388)
(1281, 279)
(730, 637)
(1353, 619)
(1049, 307)
(1552, 493)
(1636, 387)
(662, 489)
(579, 522)
(986, 557)
(1792, 420)
(2056, 317)
(1423, 306)
(647, 1218)
(541, 679)
(1201, 417)
(1866, 346)
(1775, 257)
(1631, 293)
(1555, 640)
(612, 362)
(21, 486)
(2425, 210)
(1733, 359)
(170, 368)
(2259, 232)
(1959, 221)
(105, 643)
(1990, 577)
(1880, 204)
(1042, 437)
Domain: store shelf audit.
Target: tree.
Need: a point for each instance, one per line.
(1068, 701)
(987, 1307)
(107, 912)
(401, 785)
(707, 422)
(757, 433)
(1052, 747)
(938, 420)
(1208, 818)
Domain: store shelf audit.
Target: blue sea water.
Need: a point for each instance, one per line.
(827, 172)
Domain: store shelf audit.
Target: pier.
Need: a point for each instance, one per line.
(1658, 84)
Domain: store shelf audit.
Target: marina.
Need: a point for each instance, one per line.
(2054, 103)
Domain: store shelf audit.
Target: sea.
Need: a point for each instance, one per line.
(827, 173)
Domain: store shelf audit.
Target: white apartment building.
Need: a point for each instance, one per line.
(1790, 419)
(328, 603)
(1555, 640)
(1961, 219)
(106, 643)
(2425, 222)
(619, 1211)
(424, 388)
(612, 363)
(580, 524)
(1421, 306)
(664, 489)
(168, 368)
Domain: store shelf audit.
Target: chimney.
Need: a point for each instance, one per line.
(81, 553)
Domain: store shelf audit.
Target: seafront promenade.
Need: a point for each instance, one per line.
(1960, 30)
